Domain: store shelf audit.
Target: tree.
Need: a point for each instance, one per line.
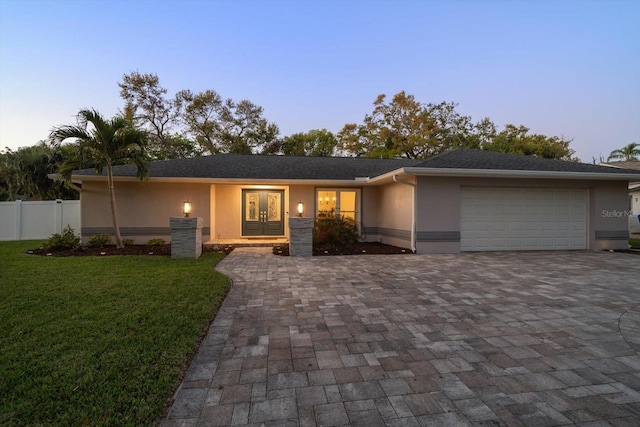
(316, 142)
(517, 140)
(628, 153)
(224, 126)
(147, 107)
(24, 174)
(202, 117)
(406, 128)
(193, 124)
(243, 130)
(106, 144)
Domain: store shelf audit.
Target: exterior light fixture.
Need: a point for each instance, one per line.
(186, 208)
(300, 208)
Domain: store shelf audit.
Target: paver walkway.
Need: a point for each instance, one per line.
(529, 338)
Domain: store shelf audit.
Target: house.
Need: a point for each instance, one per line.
(462, 200)
(634, 194)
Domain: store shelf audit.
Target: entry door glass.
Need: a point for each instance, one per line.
(262, 213)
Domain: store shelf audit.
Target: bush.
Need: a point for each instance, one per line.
(156, 242)
(68, 239)
(128, 242)
(335, 231)
(99, 240)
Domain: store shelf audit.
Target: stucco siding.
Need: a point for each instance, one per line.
(438, 215)
(304, 194)
(394, 215)
(227, 217)
(609, 208)
(144, 209)
(438, 219)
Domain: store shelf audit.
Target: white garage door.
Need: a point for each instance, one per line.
(501, 219)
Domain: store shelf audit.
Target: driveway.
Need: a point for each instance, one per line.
(528, 338)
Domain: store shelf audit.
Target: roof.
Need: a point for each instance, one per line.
(459, 161)
(491, 160)
(625, 165)
(258, 167)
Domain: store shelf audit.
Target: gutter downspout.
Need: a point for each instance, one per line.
(413, 211)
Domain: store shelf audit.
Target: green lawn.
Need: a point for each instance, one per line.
(635, 243)
(98, 340)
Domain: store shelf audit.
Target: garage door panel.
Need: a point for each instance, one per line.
(522, 219)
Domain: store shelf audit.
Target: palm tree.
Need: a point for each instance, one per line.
(628, 153)
(107, 143)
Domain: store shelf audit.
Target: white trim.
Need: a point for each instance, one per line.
(414, 213)
(358, 191)
(387, 177)
(499, 173)
(237, 181)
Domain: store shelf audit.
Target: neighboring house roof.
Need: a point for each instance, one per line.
(624, 165)
(634, 186)
(456, 162)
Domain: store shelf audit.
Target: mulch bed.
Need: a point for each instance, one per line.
(368, 248)
(127, 250)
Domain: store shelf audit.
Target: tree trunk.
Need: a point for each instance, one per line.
(114, 211)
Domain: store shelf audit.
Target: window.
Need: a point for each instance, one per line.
(339, 203)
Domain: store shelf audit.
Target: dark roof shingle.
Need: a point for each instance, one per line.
(256, 167)
(491, 160)
(241, 166)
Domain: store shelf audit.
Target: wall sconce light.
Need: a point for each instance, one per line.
(300, 208)
(186, 208)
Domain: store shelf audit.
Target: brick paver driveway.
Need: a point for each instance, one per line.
(538, 338)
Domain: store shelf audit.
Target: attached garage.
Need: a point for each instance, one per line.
(497, 219)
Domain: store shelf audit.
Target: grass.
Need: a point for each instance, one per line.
(635, 243)
(98, 340)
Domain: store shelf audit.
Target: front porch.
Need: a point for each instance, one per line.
(249, 241)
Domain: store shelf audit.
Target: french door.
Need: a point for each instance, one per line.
(263, 212)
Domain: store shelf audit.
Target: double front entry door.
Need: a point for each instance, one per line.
(263, 212)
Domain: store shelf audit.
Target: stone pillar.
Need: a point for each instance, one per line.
(186, 237)
(301, 236)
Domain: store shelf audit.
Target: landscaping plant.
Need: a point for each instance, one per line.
(68, 239)
(333, 230)
(100, 240)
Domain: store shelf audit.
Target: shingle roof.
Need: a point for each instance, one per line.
(625, 165)
(241, 166)
(256, 167)
(491, 160)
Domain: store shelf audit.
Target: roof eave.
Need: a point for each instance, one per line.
(248, 181)
(499, 173)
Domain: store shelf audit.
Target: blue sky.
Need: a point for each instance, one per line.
(564, 68)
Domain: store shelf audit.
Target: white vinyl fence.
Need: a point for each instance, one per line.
(37, 220)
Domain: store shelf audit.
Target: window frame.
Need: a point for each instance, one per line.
(358, 203)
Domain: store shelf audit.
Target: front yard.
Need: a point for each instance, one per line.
(99, 340)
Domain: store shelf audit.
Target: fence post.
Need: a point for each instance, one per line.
(18, 219)
(58, 216)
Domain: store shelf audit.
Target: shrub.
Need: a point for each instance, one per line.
(156, 242)
(99, 240)
(68, 239)
(128, 242)
(335, 231)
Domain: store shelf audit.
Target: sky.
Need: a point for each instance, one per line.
(562, 68)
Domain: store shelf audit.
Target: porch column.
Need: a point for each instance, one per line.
(301, 236)
(186, 237)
